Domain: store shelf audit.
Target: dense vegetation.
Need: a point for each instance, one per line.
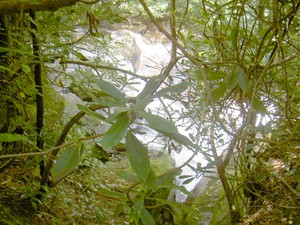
(230, 92)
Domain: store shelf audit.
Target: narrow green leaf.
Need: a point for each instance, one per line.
(232, 81)
(168, 177)
(90, 112)
(138, 206)
(210, 75)
(126, 175)
(138, 156)
(189, 180)
(179, 138)
(108, 101)
(26, 68)
(151, 180)
(111, 90)
(136, 211)
(146, 96)
(8, 137)
(175, 205)
(109, 193)
(116, 132)
(158, 123)
(147, 218)
(178, 88)
(4, 68)
(219, 92)
(66, 163)
(167, 128)
(233, 37)
(244, 82)
(78, 54)
(258, 105)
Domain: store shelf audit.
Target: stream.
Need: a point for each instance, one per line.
(146, 55)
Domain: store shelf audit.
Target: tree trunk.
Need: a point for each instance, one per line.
(17, 6)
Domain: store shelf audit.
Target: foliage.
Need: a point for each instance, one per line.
(230, 92)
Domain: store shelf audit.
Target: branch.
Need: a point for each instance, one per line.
(95, 67)
(49, 150)
(17, 6)
(61, 140)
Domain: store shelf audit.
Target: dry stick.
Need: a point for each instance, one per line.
(61, 140)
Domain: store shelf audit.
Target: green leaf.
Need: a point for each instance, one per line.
(233, 37)
(151, 180)
(147, 218)
(8, 137)
(210, 75)
(138, 156)
(232, 82)
(168, 177)
(90, 112)
(79, 55)
(126, 175)
(66, 163)
(146, 96)
(219, 92)
(166, 127)
(4, 68)
(120, 208)
(109, 193)
(158, 123)
(175, 205)
(179, 138)
(189, 180)
(178, 88)
(116, 132)
(244, 82)
(26, 68)
(111, 90)
(109, 102)
(136, 211)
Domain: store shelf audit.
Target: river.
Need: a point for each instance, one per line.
(146, 55)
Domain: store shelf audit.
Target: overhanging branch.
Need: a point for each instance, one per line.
(16, 6)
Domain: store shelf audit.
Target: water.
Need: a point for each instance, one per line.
(147, 58)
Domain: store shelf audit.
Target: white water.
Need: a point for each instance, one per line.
(148, 59)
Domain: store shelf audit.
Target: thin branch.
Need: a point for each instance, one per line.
(49, 150)
(96, 66)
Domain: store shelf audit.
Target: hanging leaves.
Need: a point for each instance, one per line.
(66, 163)
(219, 92)
(117, 131)
(178, 88)
(90, 112)
(138, 156)
(146, 96)
(158, 123)
(243, 80)
(111, 90)
(166, 127)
